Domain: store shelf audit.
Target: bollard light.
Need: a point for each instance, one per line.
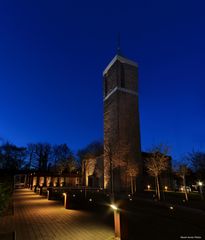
(49, 195)
(116, 221)
(200, 189)
(200, 183)
(114, 207)
(65, 200)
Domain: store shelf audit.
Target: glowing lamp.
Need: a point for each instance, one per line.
(114, 207)
(200, 183)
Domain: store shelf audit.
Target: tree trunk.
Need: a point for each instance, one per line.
(84, 173)
(131, 181)
(158, 190)
(185, 190)
(135, 187)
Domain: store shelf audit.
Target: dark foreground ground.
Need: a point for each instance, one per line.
(149, 220)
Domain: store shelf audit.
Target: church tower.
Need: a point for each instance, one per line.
(122, 151)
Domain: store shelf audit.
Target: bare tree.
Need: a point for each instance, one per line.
(89, 168)
(42, 155)
(94, 149)
(132, 172)
(87, 157)
(30, 152)
(12, 157)
(116, 155)
(183, 171)
(156, 163)
(64, 158)
(197, 159)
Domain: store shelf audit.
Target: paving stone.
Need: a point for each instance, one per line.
(36, 218)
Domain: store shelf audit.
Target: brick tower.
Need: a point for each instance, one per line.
(122, 151)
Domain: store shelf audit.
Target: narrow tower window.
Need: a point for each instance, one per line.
(122, 76)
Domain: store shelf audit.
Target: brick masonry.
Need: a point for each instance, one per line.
(121, 123)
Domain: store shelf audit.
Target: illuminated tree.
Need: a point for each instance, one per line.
(183, 171)
(156, 163)
(87, 157)
(92, 150)
(132, 172)
(116, 157)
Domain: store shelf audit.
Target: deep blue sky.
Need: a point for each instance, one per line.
(52, 54)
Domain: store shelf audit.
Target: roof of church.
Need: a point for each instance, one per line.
(122, 60)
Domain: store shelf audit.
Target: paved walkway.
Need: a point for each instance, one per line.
(36, 218)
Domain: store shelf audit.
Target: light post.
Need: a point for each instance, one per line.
(200, 189)
(66, 200)
(116, 221)
(49, 193)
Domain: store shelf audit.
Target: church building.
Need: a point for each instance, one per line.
(122, 150)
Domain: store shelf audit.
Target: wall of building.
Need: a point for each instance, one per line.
(121, 125)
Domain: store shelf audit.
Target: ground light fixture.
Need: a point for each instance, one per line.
(116, 221)
(200, 183)
(49, 194)
(65, 200)
(114, 207)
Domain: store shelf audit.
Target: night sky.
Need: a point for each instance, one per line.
(53, 53)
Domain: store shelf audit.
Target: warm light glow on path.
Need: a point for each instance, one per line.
(36, 218)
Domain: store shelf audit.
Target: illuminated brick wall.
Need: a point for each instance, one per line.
(121, 123)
